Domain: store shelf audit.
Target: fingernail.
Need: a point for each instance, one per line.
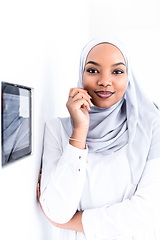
(92, 104)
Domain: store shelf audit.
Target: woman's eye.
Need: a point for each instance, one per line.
(118, 71)
(91, 70)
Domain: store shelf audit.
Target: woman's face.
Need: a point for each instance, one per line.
(105, 75)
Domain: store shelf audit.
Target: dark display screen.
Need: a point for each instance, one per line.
(15, 122)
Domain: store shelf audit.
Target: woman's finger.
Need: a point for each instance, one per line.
(38, 185)
(74, 91)
(81, 95)
(82, 103)
(78, 93)
(38, 191)
(39, 178)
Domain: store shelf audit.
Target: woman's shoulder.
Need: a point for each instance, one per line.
(55, 132)
(149, 113)
(54, 122)
(55, 127)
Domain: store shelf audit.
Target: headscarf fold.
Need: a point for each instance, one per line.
(134, 120)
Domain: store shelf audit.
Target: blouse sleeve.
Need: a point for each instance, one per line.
(63, 175)
(132, 216)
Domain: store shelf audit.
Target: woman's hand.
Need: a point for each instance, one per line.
(75, 224)
(78, 104)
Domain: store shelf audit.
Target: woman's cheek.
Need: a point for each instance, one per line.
(123, 84)
(86, 83)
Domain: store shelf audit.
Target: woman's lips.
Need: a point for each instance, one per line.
(104, 94)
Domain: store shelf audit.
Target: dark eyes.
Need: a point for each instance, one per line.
(94, 71)
(118, 71)
(91, 70)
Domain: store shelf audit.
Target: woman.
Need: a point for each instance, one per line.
(101, 166)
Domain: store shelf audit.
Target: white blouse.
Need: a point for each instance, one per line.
(101, 185)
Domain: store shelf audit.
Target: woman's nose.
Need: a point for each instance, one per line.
(105, 80)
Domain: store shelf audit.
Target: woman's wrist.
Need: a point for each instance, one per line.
(78, 138)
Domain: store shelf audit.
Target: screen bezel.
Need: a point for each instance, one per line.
(26, 150)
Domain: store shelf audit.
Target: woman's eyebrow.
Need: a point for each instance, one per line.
(116, 64)
(97, 64)
(92, 62)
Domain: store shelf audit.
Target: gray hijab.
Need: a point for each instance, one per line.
(134, 120)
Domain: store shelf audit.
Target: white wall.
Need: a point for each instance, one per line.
(36, 50)
(40, 45)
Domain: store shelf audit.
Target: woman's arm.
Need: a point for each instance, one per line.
(75, 224)
(132, 216)
(127, 218)
(64, 167)
(78, 104)
(63, 175)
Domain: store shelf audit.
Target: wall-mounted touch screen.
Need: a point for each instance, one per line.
(16, 122)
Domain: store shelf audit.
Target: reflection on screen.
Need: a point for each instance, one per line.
(16, 123)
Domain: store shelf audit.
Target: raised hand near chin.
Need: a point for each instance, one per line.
(78, 104)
